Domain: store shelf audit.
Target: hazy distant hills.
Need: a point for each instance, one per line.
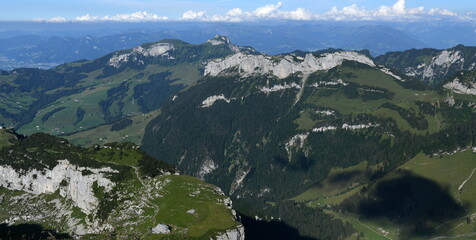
(47, 52)
(27, 44)
(46, 49)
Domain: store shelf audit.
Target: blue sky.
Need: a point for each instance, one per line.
(63, 10)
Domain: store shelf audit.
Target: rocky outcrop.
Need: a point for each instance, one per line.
(161, 229)
(438, 67)
(73, 182)
(283, 66)
(232, 234)
(222, 40)
(207, 167)
(209, 101)
(155, 50)
(442, 63)
(458, 87)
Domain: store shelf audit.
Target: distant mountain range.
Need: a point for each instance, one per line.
(55, 44)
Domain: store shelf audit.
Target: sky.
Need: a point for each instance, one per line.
(234, 10)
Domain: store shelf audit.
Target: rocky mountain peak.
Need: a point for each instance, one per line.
(220, 39)
(154, 50)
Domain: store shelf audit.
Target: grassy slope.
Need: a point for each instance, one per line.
(142, 203)
(103, 134)
(448, 171)
(403, 98)
(5, 138)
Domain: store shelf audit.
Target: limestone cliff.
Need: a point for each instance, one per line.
(283, 66)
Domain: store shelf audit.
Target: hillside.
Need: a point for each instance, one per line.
(82, 95)
(431, 65)
(305, 143)
(268, 128)
(115, 190)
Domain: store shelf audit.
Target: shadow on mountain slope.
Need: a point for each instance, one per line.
(417, 204)
(256, 229)
(29, 232)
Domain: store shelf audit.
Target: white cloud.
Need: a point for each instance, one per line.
(52, 20)
(135, 17)
(270, 11)
(398, 12)
(86, 18)
(190, 15)
(143, 16)
(444, 12)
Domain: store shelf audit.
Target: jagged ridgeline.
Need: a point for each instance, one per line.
(81, 95)
(268, 128)
(431, 65)
(115, 190)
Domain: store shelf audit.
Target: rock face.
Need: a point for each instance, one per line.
(233, 234)
(212, 99)
(158, 49)
(430, 65)
(285, 66)
(458, 87)
(161, 229)
(65, 177)
(441, 64)
(219, 40)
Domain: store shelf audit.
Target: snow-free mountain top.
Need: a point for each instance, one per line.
(170, 50)
(283, 66)
(431, 65)
(219, 40)
(155, 50)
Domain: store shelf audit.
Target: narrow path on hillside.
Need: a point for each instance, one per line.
(147, 200)
(456, 236)
(455, 219)
(462, 184)
(358, 220)
(136, 170)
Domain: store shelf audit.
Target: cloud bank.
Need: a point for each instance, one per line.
(395, 12)
(143, 16)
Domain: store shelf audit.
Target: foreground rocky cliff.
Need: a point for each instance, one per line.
(107, 190)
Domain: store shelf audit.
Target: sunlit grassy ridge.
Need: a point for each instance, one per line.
(146, 192)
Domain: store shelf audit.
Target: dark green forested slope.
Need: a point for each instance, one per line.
(266, 147)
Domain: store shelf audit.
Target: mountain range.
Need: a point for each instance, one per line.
(46, 45)
(328, 144)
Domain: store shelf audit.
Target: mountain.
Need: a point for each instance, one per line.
(82, 95)
(47, 52)
(431, 65)
(307, 126)
(115, 190)
(330, 144)
(50, 50)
